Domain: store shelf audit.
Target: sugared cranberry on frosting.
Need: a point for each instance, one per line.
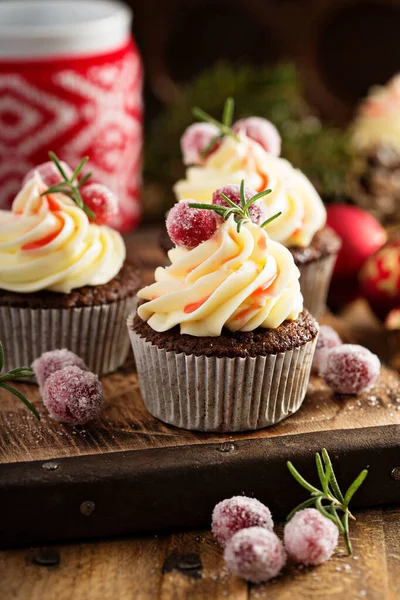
(101, 201)
(49, 173)
(188, 227)
(195, 141)
(257, 211)
(261, 131)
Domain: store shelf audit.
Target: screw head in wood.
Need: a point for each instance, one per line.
(226, 447)
(46, 557)
(87, 508)
(396, 473)
(50, 466)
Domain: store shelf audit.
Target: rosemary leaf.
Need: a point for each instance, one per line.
(79, 168)
(304, 504)
(354, 487)
(84, 179)
(22, 398)
(333, 480)
(227, 115)
(58, 164)
(300, 479)
(268, 221)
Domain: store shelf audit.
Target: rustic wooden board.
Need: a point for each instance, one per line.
(132, 468)
(156, 567)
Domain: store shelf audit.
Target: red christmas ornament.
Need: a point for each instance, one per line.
(380, 279)
(361, 236)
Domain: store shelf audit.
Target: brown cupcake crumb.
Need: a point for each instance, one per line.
(324, 242)
(124, 285)
(259, 342)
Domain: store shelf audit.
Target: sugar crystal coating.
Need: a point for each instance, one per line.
(236, 513)
(73, 396)
(55, 360)
(49, 173)
(255, 554)
(350, 369)
(327, 339)
(258, 211)
(195, 140)
(101, 200)
(309, 537)
(189, 227)
(262, 131)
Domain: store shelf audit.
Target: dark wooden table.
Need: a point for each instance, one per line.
(189, 564)
(132, 569)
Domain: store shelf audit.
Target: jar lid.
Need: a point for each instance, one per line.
(45, 28)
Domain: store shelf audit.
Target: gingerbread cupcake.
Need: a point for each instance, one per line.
(64, 281)
(218, 155)
(221, 341)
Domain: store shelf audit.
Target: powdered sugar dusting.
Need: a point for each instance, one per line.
(262, 131)
(195, 139)
(257, 211)
(55, 360)
(350, 369)
(327, 339)
(255, 554)
(236, 513)
(73, 396)
(310, 538)
(189, 227)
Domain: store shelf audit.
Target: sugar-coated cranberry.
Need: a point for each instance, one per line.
(327, 339)
(350, 369)
(255, 554)
(195, 140)
(53, 361)
(188, 227)
(258, 211)
(73, 396)
(49, 173)
(239, 512)
(309, 537)
(262, 131)
(101, 201)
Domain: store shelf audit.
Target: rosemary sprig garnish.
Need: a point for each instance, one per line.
(16, 374)
(329, 500)
(241, 213)
(224, 126)
(70, 186)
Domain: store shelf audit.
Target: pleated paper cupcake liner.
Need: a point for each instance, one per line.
(221, 394)
(315, 278)
(97, 334)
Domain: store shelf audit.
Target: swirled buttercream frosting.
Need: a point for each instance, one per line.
(303, 212)
(48, 243)
(238, 280)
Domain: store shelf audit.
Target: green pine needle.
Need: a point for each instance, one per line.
(68, 186)
(330, 494)
(18, 373)
(241, 212)
(224, 126)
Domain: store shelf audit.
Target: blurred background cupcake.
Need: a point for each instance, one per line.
(64, 280)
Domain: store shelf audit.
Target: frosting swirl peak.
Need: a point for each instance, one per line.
(48, 243)
(303, 212)
(239, 280)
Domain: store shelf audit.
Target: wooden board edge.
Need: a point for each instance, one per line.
(152, 490)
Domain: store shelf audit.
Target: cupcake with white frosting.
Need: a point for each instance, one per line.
(64, 280)
(375, 139)
(221, 340)
(250, 150)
